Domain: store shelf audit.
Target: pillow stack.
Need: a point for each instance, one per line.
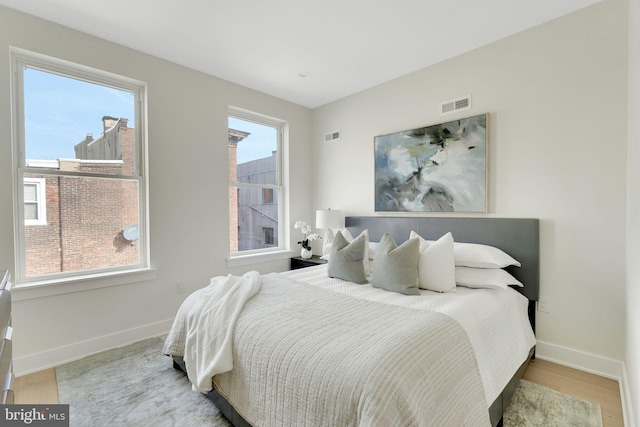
(481, 266)
(438, 266)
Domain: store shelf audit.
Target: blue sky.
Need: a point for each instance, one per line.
(60, 111)
(262, 141)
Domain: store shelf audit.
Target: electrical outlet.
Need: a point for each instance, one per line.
(181, 287)
(544, 304)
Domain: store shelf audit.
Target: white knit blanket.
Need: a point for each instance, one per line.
(210, 320)
(495, 320)
(317, 358)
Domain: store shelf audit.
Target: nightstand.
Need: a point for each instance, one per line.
(299, 262)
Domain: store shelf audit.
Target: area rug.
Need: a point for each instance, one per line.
(536, 406)
(138, 386)
(133, 386)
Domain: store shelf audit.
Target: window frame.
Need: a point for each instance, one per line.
(21, 58)
(281, 250)
(40, 202)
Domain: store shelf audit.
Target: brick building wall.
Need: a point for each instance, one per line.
(42, 243)
(233, 198)
(86, 216)
(235, 136)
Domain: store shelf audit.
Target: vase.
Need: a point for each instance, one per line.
(305, 253)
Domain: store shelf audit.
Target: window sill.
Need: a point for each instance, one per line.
(240, 260)
(32, 290)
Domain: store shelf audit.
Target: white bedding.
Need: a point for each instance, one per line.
(496, 321)
(314, 357)
(283, 345)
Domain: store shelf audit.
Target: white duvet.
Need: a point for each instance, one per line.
(496, 321)
(318, 358)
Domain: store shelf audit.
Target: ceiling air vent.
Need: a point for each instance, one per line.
(332, 136)
(454, 105)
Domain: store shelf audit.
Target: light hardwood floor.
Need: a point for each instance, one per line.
(590, 387)
(38, 388)
(41, 387)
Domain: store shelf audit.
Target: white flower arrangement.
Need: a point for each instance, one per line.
(308, 236)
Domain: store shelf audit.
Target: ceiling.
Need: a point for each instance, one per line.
(306, 52)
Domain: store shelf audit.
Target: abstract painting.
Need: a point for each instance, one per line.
(438, 168)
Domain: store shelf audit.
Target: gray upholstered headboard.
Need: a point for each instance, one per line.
(519, 237)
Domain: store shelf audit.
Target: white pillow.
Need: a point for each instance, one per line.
(436, 266)
(373, 247)
(329, 237)
(328, 241)
(481, 256)
(485, 278)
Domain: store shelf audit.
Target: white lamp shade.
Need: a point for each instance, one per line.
(329, 219)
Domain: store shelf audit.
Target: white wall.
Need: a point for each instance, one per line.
(556, 96)
(188, 194)
(633, 216)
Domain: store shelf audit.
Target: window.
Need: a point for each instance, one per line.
(267, 236)
(255, 183)
(80, 170)
(267, 195)
(35, 206)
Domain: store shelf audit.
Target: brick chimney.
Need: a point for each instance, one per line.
(108, 122)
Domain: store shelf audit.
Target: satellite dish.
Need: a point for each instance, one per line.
(131, 232)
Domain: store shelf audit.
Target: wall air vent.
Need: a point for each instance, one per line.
(459, 104)
(332, 136)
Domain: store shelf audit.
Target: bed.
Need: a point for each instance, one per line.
(486, 362)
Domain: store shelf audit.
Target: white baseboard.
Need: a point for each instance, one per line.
(588, 362)
(594, 364)
(627, 401)
(60, 355)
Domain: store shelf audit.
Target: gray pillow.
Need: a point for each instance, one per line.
(345, 259)
(395, 268)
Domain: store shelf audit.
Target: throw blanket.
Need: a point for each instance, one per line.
(210, 323)
(306, 356)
